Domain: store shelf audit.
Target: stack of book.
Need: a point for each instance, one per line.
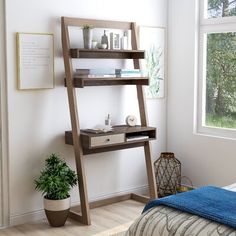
(93, 73)
(129, 73)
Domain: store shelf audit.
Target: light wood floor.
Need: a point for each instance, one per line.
(106, 221)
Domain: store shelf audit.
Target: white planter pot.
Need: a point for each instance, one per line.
(57, 211)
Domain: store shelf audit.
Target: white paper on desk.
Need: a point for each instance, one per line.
(103, 128)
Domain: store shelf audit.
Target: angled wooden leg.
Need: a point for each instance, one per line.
(144, 121)
(147, 147)
(150, 171)
(85, 217)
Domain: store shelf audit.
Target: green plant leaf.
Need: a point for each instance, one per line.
(56, 179)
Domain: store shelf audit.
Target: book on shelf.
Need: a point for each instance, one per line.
(137, 137)
(130, 75)
(95, 71)
(96, 76)
(129, 71)
(108, 76)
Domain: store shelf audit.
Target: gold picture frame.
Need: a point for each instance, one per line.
(35, 61)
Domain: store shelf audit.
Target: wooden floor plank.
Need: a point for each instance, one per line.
(106, 220)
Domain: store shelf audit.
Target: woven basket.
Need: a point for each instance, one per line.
(168, 174)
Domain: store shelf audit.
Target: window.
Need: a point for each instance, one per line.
(221, 8)
(217, 68)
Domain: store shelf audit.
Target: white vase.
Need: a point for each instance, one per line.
(87, 36)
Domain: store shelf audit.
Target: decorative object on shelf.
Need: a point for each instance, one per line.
(35, 61)
(152, 39)
(114, 41)
(108, 120)
(87, 36)
(124, 41)
(94, 44)
(104, 40)
(55, 182)
(102, 45)
(129, 39)
(168, 174)
(131, 120)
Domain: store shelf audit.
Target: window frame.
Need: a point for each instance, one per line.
(209, 25)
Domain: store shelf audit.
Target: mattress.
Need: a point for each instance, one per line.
(166, 221)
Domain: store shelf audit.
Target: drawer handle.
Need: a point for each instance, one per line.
(107, 140)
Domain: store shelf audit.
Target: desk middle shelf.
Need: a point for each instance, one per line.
(121, 137)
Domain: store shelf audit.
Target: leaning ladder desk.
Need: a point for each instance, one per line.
(81, 141)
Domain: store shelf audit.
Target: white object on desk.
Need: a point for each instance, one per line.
(103, 128)
(108, 120)
(131, 120)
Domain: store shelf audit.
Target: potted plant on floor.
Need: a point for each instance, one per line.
(55, 182)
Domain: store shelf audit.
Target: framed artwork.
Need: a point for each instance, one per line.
(152, 40)
(114, 41)
(35, 61)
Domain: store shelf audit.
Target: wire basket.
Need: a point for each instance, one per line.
(184, 188)
(168, 174)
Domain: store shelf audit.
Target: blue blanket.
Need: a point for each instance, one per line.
(210, 202)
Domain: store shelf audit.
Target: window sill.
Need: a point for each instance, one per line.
(219, 133)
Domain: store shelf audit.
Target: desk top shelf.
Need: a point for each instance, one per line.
(106, 53)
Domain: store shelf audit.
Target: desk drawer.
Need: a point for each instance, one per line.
(107, 140)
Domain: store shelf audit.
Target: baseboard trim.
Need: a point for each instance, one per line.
(39, 214)
(27, 217)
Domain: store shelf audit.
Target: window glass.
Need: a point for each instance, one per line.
(221, 8)
(220, 80)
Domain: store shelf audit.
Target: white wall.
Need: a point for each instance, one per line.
(206, 160)
(38, 119)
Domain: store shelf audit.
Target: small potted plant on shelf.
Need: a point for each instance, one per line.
(87, 36)
(55, 182)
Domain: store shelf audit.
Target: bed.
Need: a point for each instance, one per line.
(163, 220)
